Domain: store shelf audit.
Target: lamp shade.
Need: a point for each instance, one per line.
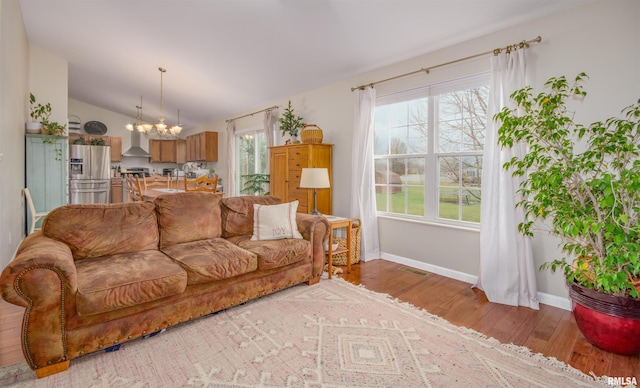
(314, 178)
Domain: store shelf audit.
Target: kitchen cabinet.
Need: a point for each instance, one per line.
(46, 163)
(115, 142)
(116, 148)
(116, 190)
(202, 147)
(168, 151)
(286, 164)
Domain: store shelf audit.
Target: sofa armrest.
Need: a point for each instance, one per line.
(316, 230)
(42, 277)
(37, 252)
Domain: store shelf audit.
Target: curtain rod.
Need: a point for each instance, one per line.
(253, 113)
(497, 51)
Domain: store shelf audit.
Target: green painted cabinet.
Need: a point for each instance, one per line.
(46, 171)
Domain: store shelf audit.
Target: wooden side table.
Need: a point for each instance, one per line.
(337, 223)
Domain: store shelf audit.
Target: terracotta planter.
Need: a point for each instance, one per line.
(609, 322)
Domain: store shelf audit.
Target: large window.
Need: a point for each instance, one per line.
(251, 151)
(428, 151)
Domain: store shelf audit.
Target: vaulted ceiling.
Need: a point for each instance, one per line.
(227, 56)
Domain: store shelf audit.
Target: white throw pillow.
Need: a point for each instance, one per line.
(275, 222)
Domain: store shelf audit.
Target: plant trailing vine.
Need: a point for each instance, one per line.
(591, 196)
(57, 146)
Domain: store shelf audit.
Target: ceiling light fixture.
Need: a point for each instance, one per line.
(176, 129)
(139, 125)
(160, 128)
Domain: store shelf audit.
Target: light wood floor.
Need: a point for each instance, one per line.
(550, 331)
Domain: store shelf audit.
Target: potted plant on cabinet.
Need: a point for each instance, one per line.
(37, 112)
(585, 181)
(53, 128)
(290, 123)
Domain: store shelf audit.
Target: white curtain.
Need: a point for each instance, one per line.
(269, 121)
(363, 195)
(507, 273)
(230, 185)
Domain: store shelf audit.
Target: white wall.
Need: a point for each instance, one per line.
(599, 39)
(49, 82)
(14, 97)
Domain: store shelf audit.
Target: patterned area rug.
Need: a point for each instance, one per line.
(333, 334)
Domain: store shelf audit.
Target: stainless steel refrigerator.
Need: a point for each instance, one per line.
(89, 180)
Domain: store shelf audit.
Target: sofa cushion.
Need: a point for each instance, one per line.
(275, 222)
(274, 253)
(186, 217)
(110, 283)
(213, 259)
(94, 230)
(237, 213)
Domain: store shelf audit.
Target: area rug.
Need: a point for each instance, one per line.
(332, 334)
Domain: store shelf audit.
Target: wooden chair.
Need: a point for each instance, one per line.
(202, 183)
(155, 180)
(134, 187)
(35, 216)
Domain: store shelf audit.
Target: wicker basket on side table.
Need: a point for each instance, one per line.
(354, 249)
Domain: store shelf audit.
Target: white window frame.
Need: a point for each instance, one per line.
(431, 154)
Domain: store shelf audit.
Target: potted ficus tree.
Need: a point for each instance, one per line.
(584, 181)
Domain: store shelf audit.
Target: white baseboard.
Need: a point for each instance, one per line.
(544, 298)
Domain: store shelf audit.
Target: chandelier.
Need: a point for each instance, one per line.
(160, 128)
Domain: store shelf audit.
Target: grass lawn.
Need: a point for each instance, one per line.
(413, 199)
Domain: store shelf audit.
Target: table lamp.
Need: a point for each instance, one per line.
(314, 178)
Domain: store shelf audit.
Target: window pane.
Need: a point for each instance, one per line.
(415, 201)
(417, 139)
(262, 152)
(415, 172)
(470, 205)
(398, 141)
(449, 203)
(462, 120)
(449, 168)
(475, 118)
(381, 184)
(471, 171)
(381, 140)
(418, 111)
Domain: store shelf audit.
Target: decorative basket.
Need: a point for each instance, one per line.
(354, 250)
(311, 133)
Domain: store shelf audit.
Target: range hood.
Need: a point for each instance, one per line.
(136, 150)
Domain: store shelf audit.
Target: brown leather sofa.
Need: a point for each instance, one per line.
(99, 275)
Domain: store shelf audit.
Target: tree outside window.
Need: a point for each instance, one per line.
(252, 163)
